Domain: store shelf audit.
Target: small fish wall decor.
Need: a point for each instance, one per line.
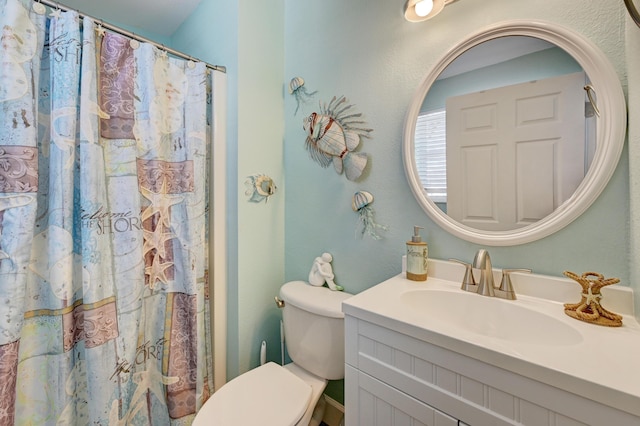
(297, 89)
(361, 203)
(259, 188)
(333, 134)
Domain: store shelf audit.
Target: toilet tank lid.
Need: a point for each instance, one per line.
(317, 300)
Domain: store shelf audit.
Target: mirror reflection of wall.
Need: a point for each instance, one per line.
(483, 72)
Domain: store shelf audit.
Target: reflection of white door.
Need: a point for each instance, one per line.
(516, 153)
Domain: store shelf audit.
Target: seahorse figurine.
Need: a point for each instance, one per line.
(589, 308)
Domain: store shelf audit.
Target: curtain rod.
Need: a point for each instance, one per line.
(119, 30)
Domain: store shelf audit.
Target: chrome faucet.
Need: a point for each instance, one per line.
(506, 291)
(486, 286)
(482, 261)
(469, 281)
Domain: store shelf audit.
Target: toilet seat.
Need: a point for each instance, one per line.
(268, 396)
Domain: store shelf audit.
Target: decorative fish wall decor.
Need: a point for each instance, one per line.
(361, 203)
(259, 187)
(297, 89)
(333, 134)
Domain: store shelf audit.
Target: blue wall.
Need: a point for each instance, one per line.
(247, 37)
(366, 51)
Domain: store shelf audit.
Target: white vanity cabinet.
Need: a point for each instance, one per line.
(408, 367)
(393, 379)
(379, 404)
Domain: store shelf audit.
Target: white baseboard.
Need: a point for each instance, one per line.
(333, 413)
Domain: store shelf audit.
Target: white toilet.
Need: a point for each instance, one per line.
(272, 395)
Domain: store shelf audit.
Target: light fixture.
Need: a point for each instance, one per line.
(421, 10)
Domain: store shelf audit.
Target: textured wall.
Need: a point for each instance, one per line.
(368, 52)
(247, 37)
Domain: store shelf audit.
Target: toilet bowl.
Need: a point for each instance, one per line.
(274, 395)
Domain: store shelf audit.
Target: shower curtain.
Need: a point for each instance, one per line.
(104, 311)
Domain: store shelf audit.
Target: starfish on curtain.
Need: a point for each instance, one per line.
(156, 271)
(57, 14)
(100, 31)
(156, 240)
(160, 203)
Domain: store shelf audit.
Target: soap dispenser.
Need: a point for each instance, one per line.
(417, 257)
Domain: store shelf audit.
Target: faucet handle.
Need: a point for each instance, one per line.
(468, 282)
(505, 284)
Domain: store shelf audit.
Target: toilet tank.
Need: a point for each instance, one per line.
(314, 328)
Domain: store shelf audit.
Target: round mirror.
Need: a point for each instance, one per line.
(514, 133)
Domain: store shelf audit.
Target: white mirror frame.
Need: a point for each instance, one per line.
(610, 136)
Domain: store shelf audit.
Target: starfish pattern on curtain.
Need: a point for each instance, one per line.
(104, 317)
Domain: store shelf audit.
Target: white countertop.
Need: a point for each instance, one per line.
(603, 366)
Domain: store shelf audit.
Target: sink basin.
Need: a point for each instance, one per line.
(502, 319)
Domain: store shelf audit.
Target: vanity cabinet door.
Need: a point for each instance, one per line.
(373, 403)
(393, 378)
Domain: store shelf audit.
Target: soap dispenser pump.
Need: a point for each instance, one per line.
(417, 257)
